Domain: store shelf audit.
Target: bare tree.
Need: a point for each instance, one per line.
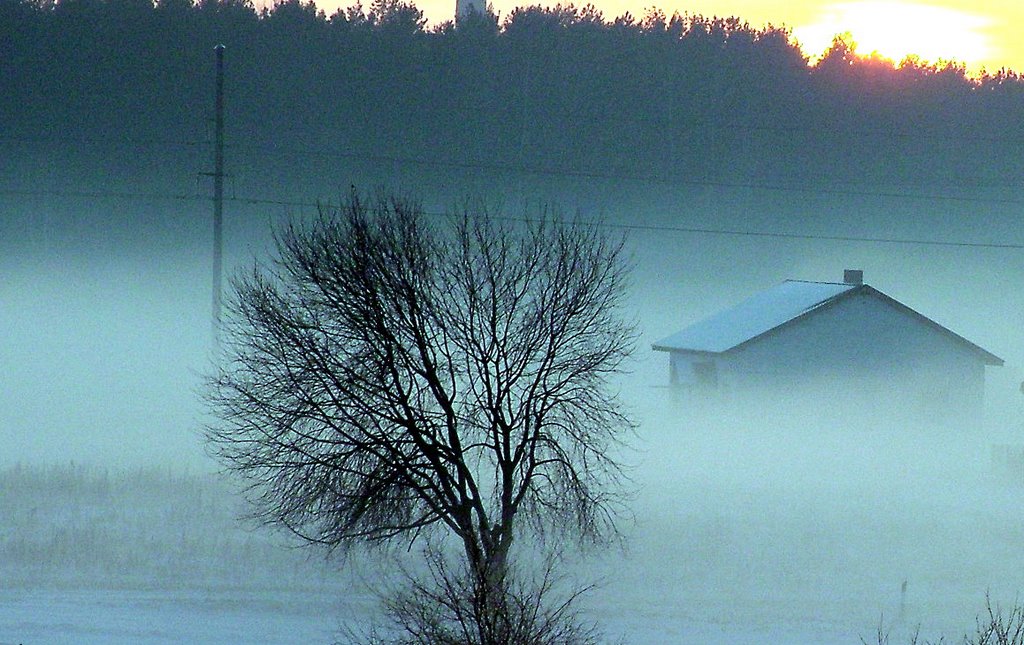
(390, 374)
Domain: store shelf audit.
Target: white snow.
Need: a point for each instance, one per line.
(134, 617)
(754, 316)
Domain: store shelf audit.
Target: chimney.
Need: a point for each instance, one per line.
(853, 276)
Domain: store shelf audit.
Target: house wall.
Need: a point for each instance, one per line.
(858, 355)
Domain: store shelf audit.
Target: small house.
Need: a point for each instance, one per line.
(831, 341)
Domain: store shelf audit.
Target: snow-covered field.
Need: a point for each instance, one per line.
(104, 617)
(742, 533)
(138, 617)
(149, 618)
(738, 538)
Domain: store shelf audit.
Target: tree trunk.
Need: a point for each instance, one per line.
(489, 567)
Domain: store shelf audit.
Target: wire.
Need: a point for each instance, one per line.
(522, 169)
(97, 194)
(808, 236)
(255, 201)
(106, 141)
(707, 231)
(646, 178)
(968, 131)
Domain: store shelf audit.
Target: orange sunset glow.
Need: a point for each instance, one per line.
(980, 34)
(895, 30)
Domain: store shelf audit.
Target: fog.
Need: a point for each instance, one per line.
(107, 310)
(793, 515)
(747, 518)
(758, 523)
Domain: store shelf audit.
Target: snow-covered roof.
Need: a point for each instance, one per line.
(754, 316)
(775, 307)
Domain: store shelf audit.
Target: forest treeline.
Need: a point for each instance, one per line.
(548, 90)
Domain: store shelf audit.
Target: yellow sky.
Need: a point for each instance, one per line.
(987, 33)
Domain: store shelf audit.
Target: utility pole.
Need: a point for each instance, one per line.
(218, 195)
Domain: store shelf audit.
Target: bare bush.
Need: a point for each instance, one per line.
(449, 605)
(995, 627)
(998, 627)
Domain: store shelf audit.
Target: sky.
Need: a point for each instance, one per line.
(978, 33)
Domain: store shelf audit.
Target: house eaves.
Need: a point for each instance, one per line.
(748, 322)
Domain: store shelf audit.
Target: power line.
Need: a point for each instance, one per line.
(709, 231)
(258, 201)
(107, 141)
(565, 172)
(577, 174)
(593, 175)
(103, 194)
(942, 132)
(809, 236)
(625, 176)
(218, 195)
